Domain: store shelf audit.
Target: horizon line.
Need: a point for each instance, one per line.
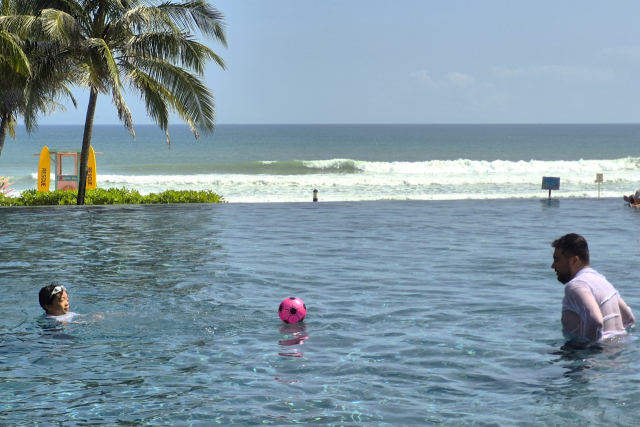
(357, 124)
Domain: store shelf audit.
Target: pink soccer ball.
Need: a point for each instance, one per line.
(292, 310)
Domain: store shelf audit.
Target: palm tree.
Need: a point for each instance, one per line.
(32, 78)
(14, 72)
(145, 46)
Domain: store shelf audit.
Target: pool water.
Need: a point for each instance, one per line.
(419, 313)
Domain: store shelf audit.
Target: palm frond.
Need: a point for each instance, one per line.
(154, 95)
(197, 16)
(143, 19)
(23, 26)
(192, 100)
(59, 25)
(182, 50)
(105, 67)
(12, 126)
(11, 53)
(124, 114)
(66, 92)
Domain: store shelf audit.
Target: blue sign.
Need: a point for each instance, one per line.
(550, 183)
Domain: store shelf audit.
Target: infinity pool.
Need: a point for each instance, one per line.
(419, 313)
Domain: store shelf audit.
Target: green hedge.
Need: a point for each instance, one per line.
(110, 196)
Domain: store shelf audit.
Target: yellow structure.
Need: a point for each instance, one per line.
(64, 180)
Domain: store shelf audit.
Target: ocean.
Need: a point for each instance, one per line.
(425, 269)
(285, 163)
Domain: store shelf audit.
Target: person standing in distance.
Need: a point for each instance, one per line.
(592, 308)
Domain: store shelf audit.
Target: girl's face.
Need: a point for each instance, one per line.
(59, 306)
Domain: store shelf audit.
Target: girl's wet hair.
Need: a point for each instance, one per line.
(46, 295)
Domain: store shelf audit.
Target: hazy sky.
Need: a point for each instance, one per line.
(419, 61)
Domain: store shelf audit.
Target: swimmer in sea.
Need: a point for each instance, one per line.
(633, 199)
(55, 301)
(592, 309)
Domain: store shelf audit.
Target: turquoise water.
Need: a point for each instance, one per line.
(285, 163)
(419, 313)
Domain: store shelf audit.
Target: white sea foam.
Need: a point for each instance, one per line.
(432, 180)
(477, 166)
(435, 180)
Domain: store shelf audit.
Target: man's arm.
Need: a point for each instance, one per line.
(625, 312)
(588, 309)
(571, 323)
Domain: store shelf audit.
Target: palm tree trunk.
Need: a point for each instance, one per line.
(86, 144)
(4, 127)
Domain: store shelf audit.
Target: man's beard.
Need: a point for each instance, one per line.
(563, 278)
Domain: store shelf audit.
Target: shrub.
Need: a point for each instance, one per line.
(183, 196)
(110, 196)
(8, 201)
(47, 198)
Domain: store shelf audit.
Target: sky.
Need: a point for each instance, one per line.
(417, 61)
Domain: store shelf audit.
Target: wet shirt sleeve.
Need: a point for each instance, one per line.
(575, 295)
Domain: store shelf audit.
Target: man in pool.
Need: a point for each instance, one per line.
(54, 300)
(592, 308)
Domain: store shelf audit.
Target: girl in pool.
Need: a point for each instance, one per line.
(55, 301)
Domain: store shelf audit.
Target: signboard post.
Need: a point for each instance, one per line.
(599, 180)
(550, 183)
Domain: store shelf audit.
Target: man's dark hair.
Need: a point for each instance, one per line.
(573, 245)
(45, 296)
